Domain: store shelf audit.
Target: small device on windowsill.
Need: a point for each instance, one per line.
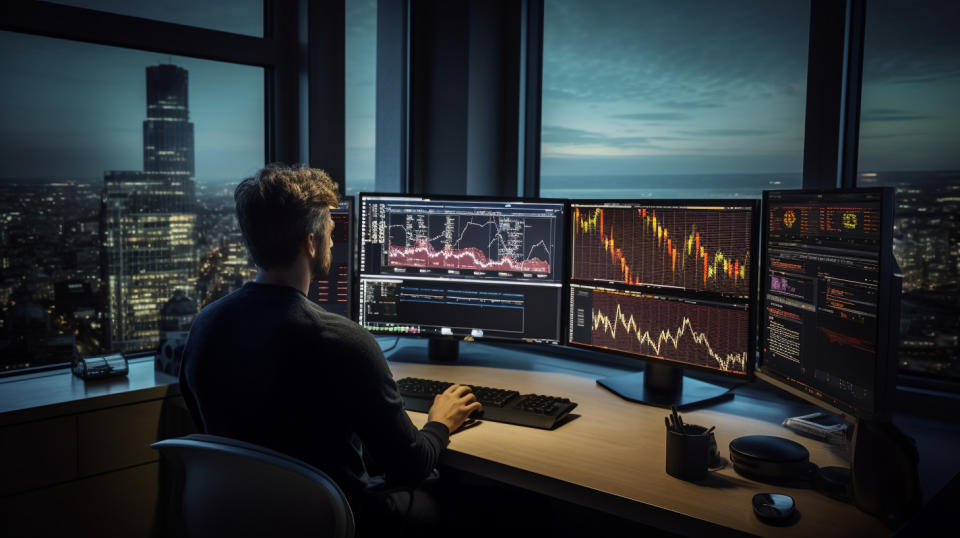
(101, 366)
(824, 426)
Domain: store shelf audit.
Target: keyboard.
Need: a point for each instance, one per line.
(499, 405)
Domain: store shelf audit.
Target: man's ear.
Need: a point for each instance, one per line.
(310, 245)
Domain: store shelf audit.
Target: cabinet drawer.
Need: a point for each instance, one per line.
(36, 454)
(118, 437)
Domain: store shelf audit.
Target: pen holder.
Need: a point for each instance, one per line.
(688, 456)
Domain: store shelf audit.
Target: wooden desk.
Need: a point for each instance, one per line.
(612, 458)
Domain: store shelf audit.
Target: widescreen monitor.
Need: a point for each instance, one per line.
(670, 282)
(461, 267)
(830, 297)
(334, 292)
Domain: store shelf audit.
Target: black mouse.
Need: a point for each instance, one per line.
(773, 507)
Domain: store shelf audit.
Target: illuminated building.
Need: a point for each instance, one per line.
(148, 219)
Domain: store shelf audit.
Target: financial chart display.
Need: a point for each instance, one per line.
(819, 325)
(468, 268)
(333, 292)
(668, 280)
(690, 248)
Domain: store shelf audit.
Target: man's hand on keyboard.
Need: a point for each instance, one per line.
(453, 406)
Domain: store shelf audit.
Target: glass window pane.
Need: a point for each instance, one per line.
(361, 95)
(237, 16)
(909, 135)
(117, 170)
(672, 99)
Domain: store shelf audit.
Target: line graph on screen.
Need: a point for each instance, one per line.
(481, 242)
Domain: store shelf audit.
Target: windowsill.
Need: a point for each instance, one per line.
(41, 395)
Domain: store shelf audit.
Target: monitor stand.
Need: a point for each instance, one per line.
(663, 385)
(443, 349)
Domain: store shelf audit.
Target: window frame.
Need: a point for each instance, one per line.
(926, 393)
(834, 82)
(831, 134)
(269, 52)
(285, 53)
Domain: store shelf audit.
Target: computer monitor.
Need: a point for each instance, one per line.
(830, 298)
(334, 292)
(671, 282)
(461, 268)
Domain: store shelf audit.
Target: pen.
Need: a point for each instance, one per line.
(678, 422)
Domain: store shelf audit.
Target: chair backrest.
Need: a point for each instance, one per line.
(225, 487)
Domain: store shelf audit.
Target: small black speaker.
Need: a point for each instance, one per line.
(766, 458)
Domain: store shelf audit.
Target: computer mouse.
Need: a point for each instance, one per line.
(773, 507)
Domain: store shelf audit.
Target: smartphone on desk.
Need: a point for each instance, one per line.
(824, 426)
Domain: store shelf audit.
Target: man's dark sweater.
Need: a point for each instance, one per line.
(268, 366)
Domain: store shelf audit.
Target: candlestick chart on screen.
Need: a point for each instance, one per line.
(697, 249)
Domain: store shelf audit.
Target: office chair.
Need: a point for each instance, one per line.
(225, 487)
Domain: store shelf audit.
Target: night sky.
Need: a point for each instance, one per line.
(360, 72)
(909, 109)
(629, 88)
(662, 87)
(73, 110)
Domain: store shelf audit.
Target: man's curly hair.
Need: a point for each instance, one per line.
(278, 207)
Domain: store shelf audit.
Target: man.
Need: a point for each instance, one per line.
(268, 366)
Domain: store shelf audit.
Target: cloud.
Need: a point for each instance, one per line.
(554, 134)
(905, 136)
(685, 55)
(904, 44)
(652, 116)
(688, 105)
(562, 93)
(730, 132)
(891, 114)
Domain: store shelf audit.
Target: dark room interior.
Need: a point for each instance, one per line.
(738, 218)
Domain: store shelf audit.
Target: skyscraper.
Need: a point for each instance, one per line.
(148, 218)
(167, 131)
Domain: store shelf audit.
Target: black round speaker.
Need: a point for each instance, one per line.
(770, 459)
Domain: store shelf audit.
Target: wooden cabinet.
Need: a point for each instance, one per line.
(37, 454)
(119, 437)
(82, 465)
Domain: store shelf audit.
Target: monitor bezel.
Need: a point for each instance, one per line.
(886, 368)
(751, 301)
(352, 313)
(564, 297)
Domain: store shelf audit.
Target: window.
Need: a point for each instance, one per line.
(672, 99)
(116, 174)
(237, 16)
(909, 134)
(360, 75)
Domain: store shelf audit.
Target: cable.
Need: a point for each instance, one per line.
(396, 340)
